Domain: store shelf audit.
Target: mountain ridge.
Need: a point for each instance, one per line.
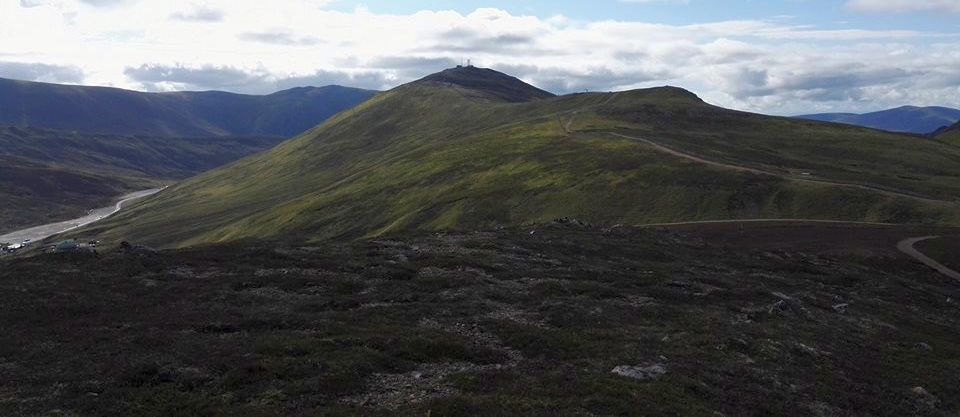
(111, 110)
(909, 119)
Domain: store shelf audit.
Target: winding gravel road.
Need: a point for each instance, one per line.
(908, 247)
(701, 160)
(38, 233)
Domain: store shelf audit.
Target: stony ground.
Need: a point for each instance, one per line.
(558, 320)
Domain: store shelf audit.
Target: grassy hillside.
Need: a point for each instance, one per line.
(498, 323)
(446, 154)
(110, 110)
(51, 175)
(920, 120)
(950, 135)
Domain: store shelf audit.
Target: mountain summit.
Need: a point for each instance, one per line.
(497, 84)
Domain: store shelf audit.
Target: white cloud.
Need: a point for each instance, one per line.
(257, 47)
(655, 1)
(903, 6)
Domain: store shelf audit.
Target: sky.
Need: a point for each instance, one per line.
(771, 56)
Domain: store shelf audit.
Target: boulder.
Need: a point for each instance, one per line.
(642, 373)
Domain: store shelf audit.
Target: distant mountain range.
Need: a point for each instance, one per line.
(910, 119)
(181, 114)
(471, 148)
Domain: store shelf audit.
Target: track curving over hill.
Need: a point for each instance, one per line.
(908, 247)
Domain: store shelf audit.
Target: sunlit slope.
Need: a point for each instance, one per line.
(438, 155)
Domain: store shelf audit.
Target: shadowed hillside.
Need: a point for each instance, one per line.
(210, 113)
(458, 154)
(920, 120)
(50, 175)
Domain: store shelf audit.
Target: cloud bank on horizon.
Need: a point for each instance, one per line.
(773, 65)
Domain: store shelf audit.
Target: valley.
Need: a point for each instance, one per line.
(50, 176)
(41, 232)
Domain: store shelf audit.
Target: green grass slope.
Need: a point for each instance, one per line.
(51, 175)
(951, 135)
(209, 113)
(447, 155)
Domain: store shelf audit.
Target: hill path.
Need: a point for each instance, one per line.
(567, 128)
(741, 168)
(908, 247)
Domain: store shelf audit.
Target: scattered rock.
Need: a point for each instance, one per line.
(642, 373)
(181, 272)
(841, 308)
(392, 391)
(570, 221)
(924, 347)
(922, 397)
(787, 304)
(138, 250)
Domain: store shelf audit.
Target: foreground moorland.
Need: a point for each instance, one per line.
(472, 148)
(752, 319)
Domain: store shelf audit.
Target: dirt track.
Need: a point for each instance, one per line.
(820, 236)
(907, 247)
(695, 158)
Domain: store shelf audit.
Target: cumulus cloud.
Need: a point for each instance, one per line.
(279, 37)
(903, 6)
(178, 77)
(774, 66)
(199, 14)
(105, 3)
(41, 72)
(161, 77)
